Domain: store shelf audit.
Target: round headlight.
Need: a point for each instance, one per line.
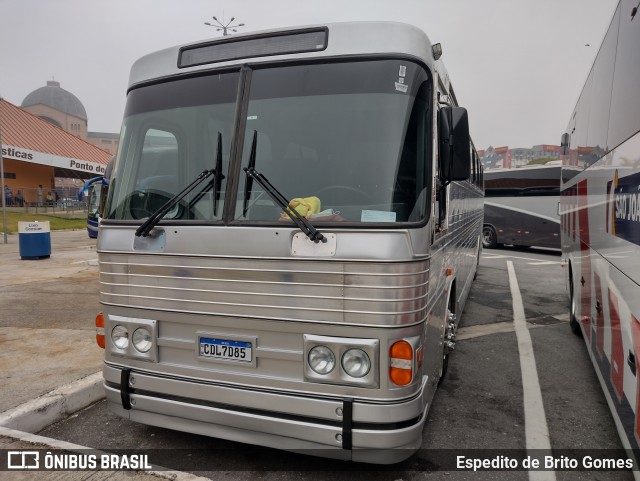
(142, 339)
(321, 360)
(120, 337)
(356, 363)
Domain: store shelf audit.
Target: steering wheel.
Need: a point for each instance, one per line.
(143, 204)
(343, 194)
(138, 205)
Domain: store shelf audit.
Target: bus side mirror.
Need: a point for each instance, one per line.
(564, 144)
(455, 144)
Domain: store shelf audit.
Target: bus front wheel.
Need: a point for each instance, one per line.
(489, 237)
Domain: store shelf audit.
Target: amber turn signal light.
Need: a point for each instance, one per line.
(401, 363)
(100, 330)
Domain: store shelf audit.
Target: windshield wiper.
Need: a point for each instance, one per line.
(303, 224)
(217, 186)
(249, 181)
(157, 216)
(215, 183)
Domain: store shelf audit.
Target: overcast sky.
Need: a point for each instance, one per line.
(517, 65)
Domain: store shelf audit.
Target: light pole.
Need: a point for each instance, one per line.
(4, 204)
(224, 27)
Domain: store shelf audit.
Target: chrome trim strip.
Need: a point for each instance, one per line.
(304, 296)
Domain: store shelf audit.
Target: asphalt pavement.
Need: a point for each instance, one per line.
(47, 327)
(50, 364)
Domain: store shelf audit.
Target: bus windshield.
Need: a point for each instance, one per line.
(346, 142)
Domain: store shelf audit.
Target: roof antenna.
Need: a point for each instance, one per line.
(634, 10)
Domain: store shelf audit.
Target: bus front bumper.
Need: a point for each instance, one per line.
(381, 432)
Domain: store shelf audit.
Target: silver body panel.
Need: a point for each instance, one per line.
(351, 292)
(277, 300)
(283, 419)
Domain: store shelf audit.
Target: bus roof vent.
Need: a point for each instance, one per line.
(278, 43)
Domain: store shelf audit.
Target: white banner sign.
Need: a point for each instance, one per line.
(35, 227)
(52, 160)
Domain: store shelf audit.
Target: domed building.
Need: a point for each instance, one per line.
(63, 109)
(47, 150)
(58, 107)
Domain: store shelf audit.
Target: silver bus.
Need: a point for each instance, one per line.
(521, 207)
(292, 228)
(601, 219)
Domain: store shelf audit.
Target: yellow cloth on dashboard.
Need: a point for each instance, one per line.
(305, 206)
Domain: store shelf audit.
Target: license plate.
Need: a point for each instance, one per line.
(225, 349)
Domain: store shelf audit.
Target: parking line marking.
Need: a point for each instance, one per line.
(471, 332)
(532, 260)
(535, 420)
(562, 317)
(480, 330)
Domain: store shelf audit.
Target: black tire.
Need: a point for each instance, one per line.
(489, 237)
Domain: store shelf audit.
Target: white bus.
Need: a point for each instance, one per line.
(601, 218)
(292, 229)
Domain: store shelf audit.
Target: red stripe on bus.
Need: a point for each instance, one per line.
(599, 321)
(585, 260)
(635, 329)
(617, 349)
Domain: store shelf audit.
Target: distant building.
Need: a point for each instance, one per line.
(521, 156)
(105, 141)
(506, 158)
(583, 157)
(63, 109)
(495, 158)
(545, 151)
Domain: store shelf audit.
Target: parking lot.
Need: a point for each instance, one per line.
(480, 407)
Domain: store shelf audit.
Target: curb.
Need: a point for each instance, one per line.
(54, 406)
(22, 422)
